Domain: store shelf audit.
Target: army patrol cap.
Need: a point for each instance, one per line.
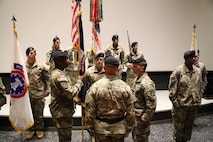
(29, 49)
(58, 54)
(55, 38)
(190, 53)
(111, 61)
(133, 44)
(115, 37)
(101, 54)
(139, 60)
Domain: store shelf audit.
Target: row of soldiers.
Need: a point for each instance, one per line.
(60, 77)
(113, 108)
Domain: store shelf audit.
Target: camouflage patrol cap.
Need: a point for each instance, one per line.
(133, 44)
(29, 49)
(101, 54)
(115, 37)
(190, 53)
(111, 61)
(139, 60)
(58, 54)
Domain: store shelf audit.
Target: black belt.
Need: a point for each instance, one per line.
(111, 121)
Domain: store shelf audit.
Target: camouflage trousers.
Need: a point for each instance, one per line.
(63, 120)
(183, 119)
(37, 106)
(141, 130)
(109, 138)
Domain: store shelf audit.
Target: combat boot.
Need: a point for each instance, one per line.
(39, 134)
(30, 135)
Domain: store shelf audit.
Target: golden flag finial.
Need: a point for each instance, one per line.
(14, 26)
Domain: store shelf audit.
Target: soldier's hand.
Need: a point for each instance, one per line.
(47, 94)
(81, 77)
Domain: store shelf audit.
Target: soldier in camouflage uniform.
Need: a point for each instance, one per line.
(90, 57)
(133, 55)
(73, 67)
(38, 74)
(144, 91)
(109, 106)
(2, 94)
(56, 46)
(118, 52)
(62, 104)
(95, 72)
(185, 95)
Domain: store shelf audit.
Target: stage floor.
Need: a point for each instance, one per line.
(163, 104)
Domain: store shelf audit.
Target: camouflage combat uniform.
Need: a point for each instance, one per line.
(109, 109)
(130, 75)
(73, 67)
(49, 58)
(39, 76)
(144, 90)
(119, 54)
(2, 94)
(62, 105)
(92, 75)
(185, 95)
(203, 70)
(90, 57)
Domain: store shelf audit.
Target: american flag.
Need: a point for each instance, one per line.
(96, 16)
(77, 33)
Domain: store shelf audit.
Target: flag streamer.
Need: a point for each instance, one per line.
(96, 16)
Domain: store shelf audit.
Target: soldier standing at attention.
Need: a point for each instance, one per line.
(39, 88)
(109, 106)
(185, 94)
(144, 91)
(133, 55)
(62, 104)
(95, 72)
(117, 52)
(56, 46)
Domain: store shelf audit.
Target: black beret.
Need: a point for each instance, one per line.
(139, 60)
(58, 54)
(101, 54)
(29, 49)
(111, 61)
(190, 53)
(55, 38)
(133, 44)
(115, 37)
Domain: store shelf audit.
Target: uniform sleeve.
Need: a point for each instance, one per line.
(48, 56)
(204, 77)
(173, 85)
(90, 110)
(46, 78)
(150, 98)
(130, 116)
(68, 90)
(127, 60)
(122, 54)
